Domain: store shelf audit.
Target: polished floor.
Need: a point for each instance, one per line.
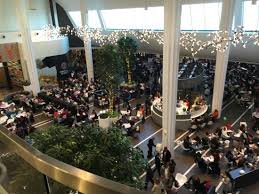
(19, 173)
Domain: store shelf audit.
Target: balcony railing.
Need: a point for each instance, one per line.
(68, 175)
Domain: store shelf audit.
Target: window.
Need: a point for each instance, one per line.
(251, 16)
(134, 18)
(93, 19)
(204, 16)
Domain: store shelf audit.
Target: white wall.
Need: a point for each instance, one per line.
(50, 47)
(38, 17)
(52, 71)
(42, 46)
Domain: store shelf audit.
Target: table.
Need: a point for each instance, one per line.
(196, 146)
(91, 116)
(3, 119)
(242, 180)
(126, 125)
(4, 105)
(123, 112)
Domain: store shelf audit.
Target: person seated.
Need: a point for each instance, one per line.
(200, 161)
(215, 115)
(213, 168)
(95, 117)
(197, 140)
(230, 158)
(238, 133)
(224, 133)
(205, 140)
(187, 143)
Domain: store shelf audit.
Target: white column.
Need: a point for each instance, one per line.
(27, 48)
(87, 43)
(172, 17)
(49, 12)
(54, 4)
(222, 57)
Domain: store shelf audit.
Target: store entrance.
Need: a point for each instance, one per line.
(11, 73)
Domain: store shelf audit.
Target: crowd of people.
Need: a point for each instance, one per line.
(19, 117)
(69, 104)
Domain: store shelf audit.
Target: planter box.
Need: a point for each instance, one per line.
(105, 123)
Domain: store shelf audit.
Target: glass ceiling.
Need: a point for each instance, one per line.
(251, 16)
(203, 17)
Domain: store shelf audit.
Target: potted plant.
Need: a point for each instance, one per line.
(127, 48)
(104, 120)
(109, 71)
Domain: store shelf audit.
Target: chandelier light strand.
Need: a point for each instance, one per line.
(219, 41)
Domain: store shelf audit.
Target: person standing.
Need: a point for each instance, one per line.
(157, 188)
(166, 155)
(149, 176)
(158, 164)
(150, 146)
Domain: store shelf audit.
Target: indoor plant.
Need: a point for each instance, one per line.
(127, 47)
(109, 71)
(107, 153)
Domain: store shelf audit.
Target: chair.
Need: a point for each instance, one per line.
(212, 190)
(210, 123)
(203, 125)
(226, 142)
(181, 179)
(184, 148)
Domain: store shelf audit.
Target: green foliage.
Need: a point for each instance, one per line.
(109, 69)
(104, 115)
(127, 48)
(113, 114)
(110, 114)
(107, 153)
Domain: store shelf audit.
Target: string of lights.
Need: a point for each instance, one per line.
(217, 41)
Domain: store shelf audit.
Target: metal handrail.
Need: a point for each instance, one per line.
(68, 175)
(2, 172)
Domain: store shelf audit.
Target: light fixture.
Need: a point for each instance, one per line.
(219, 41)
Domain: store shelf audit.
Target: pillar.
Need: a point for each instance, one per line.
(172, 17)
(53, 12)
(27, 47)
(222, 57)
(87, 43)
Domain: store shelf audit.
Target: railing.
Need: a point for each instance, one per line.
(2, 172)
(68, 175)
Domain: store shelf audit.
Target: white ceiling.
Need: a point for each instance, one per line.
(74, 5)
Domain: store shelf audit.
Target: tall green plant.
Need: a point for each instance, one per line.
(127, 48)
(109, 69)
(107, 153)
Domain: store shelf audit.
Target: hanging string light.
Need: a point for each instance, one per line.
(218, 41)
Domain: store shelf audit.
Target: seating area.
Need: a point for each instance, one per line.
(129, 97)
